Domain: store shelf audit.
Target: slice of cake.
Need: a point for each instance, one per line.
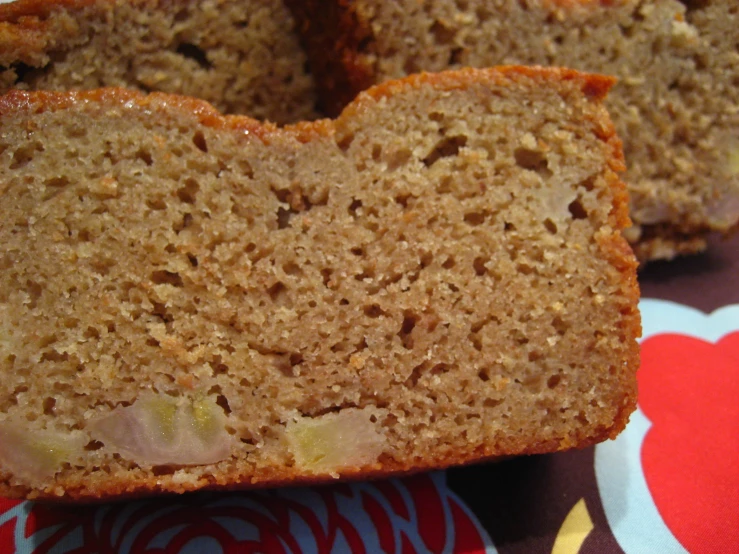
(192, 301)
(676, 105)
(243, 56)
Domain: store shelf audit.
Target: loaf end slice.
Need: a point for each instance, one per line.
(189, 301)
(243, 56)
(674, 106)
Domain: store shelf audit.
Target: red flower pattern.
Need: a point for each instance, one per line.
(688, 388)
(407, 516)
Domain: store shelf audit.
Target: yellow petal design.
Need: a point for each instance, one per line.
(575, 529)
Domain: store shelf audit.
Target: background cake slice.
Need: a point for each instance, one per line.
(675, 105)
(192, 301)
(243, 56)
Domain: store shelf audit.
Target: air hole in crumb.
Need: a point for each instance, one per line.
(163, 277)
(326, 276)
(532, 160)
(524, 268)
(491, 402)
(439, 369)
(455, 56)
(416, 374)
(479, 266)
(553, 381)
(48, 405)
(284, 216)
(34, 290)
(199, 141)
(441, 33)
(159, 471)
(483, 375)
(144, 156)
(559, 325)
(194, 53)
(475, 218)
(354, 206)
(508, 227)
(357, 251)
(192, 259)
(449, 263)
(291, 268)
(188, 192)
(277, 291)
(373, 311)
(445, 185)
(345, 142)
(57, 182)
(222, 401)
(25, 154)
(445, 148)
(406, 330)
(156, 204)
(588, 184)
(376, 152)
(577, 210)
(187, 220)
(93, 445)
(402, 199)
(366, 273)
(217, 365)
(398, 159)
(550, 226)
(535, 355)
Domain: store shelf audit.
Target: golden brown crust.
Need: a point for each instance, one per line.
(592, 85)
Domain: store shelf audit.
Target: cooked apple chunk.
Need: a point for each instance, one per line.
(36, 455)
(162, 430)
(334, 441)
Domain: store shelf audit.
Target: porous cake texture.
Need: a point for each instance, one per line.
(676, 105)
(190, 301)
(243, 56)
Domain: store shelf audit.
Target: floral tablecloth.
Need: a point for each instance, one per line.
(669, 483)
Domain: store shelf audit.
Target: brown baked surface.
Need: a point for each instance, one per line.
(675, 105)
(242, 56)
(437, 276)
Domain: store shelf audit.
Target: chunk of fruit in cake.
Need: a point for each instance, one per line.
(344, 439)
(160, 430)
(35, 455)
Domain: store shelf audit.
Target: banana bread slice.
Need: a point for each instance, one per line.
(191, 301)
(675, 105)
(243, 56)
